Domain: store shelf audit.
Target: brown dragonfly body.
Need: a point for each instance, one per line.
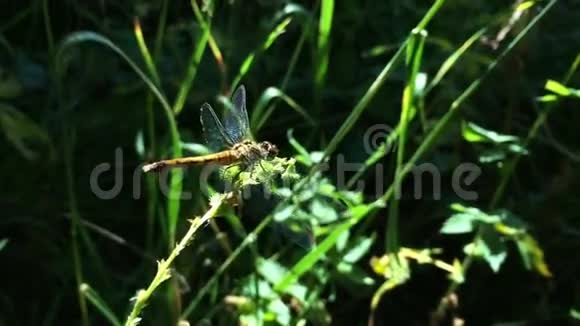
(245, 152)
(232, 144)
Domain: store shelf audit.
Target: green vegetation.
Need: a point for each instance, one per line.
(427, 171)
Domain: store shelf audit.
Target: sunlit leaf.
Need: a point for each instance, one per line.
(557, 88)
(360, 248)
(474, 133)
(532, 255)
(459, 223)
(525, 5)
(323, 211)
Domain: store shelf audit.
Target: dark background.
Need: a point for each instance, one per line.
(100, 103)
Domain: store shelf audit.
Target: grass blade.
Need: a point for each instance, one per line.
(271, 94)
(270, 39)
(194, 61)
(176, 174)
(100, 304)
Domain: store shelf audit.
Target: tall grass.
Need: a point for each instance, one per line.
(287, 283)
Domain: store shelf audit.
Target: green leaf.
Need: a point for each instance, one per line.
(458, 223)
(492, 155)
(360, 248)
(466, 219)
(3, 243)
(304, 156)
(342, 241)
(532, 255)
(547, 98)
(323, 211)
(281, 311)
(284, 213)
(560, 89)
(323, 49)
(248, 287)
(307, 262)
(474, 133)
(557, 88)
(270, 270)
(490, 247)
(273, 272)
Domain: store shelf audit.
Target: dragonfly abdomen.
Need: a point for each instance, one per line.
(221, 158)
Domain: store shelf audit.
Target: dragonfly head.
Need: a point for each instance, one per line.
(269, 150)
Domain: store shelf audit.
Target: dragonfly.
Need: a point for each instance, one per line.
(232, 142)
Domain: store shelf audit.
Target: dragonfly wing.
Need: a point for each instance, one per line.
(236, 117)
(215, 135)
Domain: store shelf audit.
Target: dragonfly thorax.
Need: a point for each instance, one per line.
(251, 151)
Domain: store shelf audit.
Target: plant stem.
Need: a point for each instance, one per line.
(163, 266)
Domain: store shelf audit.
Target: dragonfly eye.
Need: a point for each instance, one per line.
(269, 149)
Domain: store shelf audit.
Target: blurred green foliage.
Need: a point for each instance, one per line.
(340, 237)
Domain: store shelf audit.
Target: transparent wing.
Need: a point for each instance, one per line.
(236, 117)
(215, 135)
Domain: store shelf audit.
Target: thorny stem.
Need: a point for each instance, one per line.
(163, 272)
